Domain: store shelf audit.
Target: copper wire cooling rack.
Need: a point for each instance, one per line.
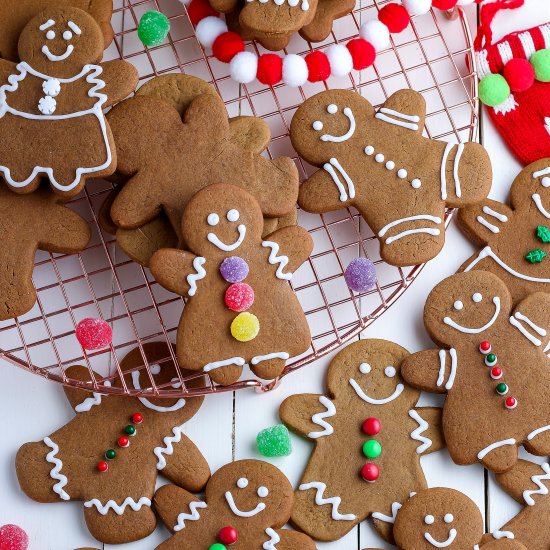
(433, 56)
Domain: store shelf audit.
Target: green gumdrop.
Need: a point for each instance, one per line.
(153, 28)
(493, 90)
(274, 441)
(543, 233)
(535, 256)
(541, 63)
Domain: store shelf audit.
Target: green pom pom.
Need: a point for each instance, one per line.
(274, 441)
(543, 233)
(541, 63)
(493, 90)
(535, 256)
(153, 28)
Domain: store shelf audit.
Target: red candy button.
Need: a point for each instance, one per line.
(511, 403)
(370, 472)
(371, 426)
(496, 373)
(485, 347)
(137, 418)
(228, 535)
(123, 441)
(102, 466)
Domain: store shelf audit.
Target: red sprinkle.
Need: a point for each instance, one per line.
(239, 297)
(370, 472)
(511, 403)
(137, 418)
(12, 537)
(228, 535)
(485, 347)
(102, 466)
(371, 426)
(496, 373)
(123, 441)
(94, 333)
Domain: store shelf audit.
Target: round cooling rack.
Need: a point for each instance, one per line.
(433, 56)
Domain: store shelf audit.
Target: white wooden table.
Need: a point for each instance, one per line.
(224, 429)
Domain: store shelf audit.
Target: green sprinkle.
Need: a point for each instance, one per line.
(543, 233)
(502, 389)
(536, 256)
(372, 449)
(153, 28)
(110, 454)
(218, 546)
(130, 430)
(274, 441)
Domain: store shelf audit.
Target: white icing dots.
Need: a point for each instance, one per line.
(458, 305)
(155, 369)
(477, 297)
(233, 215)
(429, 519)
(213, 219)
(379, 158)
(263, 492)
(369, 150)
(67, 35)
(242, 483)
(317, 125)
(51, 87)
(416, 183)
(390, 372)
(390, 165)
(50, 35)
(545, 182)
(332, 109)
(47, 105)
(402, 173)
(364, 368)
(449, 518)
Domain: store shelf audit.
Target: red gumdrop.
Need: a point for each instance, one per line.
(318, 66)
(395, 17)
(94, 333)
(227, 46)
(199, 9)
(12, 537)
(362, 53)
(239, 297)
(270, 69)
(444, 4)
(519, 74)
(228, 535)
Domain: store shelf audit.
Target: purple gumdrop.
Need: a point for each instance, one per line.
(360, 275)
(234, 269)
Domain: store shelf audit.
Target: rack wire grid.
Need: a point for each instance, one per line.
(433, 56)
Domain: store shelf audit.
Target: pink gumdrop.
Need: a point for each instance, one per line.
(12, 537)
(94, 333)
(239, 297)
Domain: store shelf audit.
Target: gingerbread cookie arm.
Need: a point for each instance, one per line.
(293, 244)
(121, 79)
(177, 270)
(207, 116)
(250, 132)
(431, 370)
(482, 222)
(285, 539)
(405, 108)
(81, 400)
(6, 69)
(65, 232)
(308, 414)
(175, 507)
(429, 432)
(532, 318)
(326, 190)
(527, 482)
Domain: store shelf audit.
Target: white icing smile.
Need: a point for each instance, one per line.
(243, 514)
(52, 57)
(214, 239)
(332, 109)
(450, 539)
(390, 372)
(467, 330)
(175, 407)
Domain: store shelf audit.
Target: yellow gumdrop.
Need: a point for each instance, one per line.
(245, 327)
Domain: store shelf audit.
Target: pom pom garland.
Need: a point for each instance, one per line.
(519, 74)
(293, 70)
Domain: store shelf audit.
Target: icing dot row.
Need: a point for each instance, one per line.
(390, 165)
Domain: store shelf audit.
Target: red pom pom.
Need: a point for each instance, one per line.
(228, 535)
(94, 333)
(519, 74)
(227, 46)
(199, 9)
(370, 472)
(318, 66)
(12, 537)
(395, 17)
(444, 4)
(270, 69)
(362, 53)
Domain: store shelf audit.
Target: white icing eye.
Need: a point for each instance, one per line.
(50, 35)
(429, 519)
(67, 35)
(390, 372)
(545, 182)
(477, 297)
(233, 215)
(369, 150)
(317, 125)
(213, 219)
(155, 369)
(458, 305)
(331, 109)
(263, 492)
(449, 518)
(242, 483)
(364, 368)
(379, 158)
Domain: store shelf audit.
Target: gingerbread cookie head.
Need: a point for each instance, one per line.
(466, 307)
(60, 41)
(531, 189)
(438, 518)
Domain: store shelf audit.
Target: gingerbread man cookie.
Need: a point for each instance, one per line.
(241, 308)
(492, 366)
(56, 94)
(379, 162)
(369, 438)
(246, 504)
(27, 223)
(514, 238)
(109, 455)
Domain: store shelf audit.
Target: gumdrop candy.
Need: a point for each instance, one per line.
(274, 441)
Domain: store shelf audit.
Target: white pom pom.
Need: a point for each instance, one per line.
(417, 7)
(244, 67)
(376, 33)
(295, 71)
(341, 62)
(208, 29)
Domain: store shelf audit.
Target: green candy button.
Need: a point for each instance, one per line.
(218, 546)
(372, 449)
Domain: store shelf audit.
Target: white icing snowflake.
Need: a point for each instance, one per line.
(47, 105)
(51, 87)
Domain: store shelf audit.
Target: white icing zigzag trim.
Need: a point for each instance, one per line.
(319, 418)
(274, 539)
(537, 480)
(168, 448)
(274, 259)
(55, 471)
(192, 278)
(320, 487)
(193, 516)
(118, 509)
(395, 507)
(422, 427)
(90, 402)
